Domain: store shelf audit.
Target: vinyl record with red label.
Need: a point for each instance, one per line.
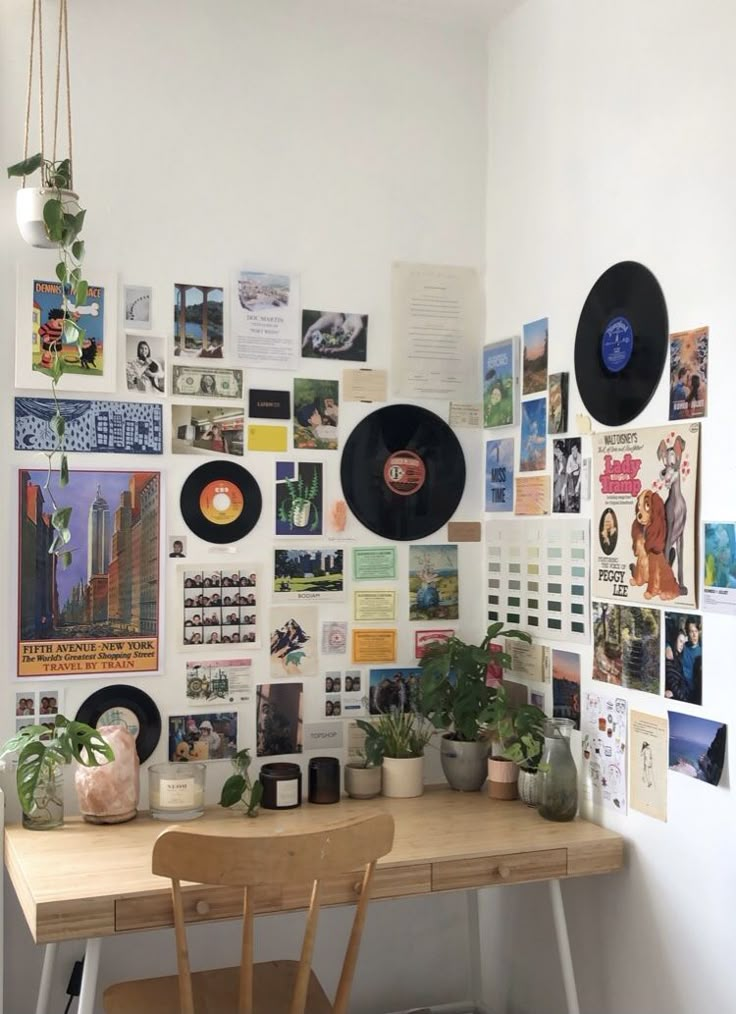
(403, 472)
(221, 502)
(621, 343)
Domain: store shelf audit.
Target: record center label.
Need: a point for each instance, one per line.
(221, 502)
(617, 344)
(404, 473)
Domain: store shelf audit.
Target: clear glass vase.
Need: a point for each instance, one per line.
(558, 790)
(48, 811)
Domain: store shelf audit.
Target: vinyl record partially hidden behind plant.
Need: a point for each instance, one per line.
(455, 691)
(63, 220)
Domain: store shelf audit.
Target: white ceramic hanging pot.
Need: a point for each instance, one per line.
(403, 777)
(29, 205)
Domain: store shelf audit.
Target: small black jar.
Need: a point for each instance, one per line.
(324, 780)
(282, 786)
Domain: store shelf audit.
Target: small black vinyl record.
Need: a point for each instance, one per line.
(124, 705)
(402, 472)
(221, 502)
(621, 343)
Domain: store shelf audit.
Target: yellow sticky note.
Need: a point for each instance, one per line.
(267, 438)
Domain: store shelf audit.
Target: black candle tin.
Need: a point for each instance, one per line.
(324, 780)
(282, 786)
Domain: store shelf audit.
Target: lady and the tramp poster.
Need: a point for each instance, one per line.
(101, 614)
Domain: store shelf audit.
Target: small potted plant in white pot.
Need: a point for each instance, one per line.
(517, 735)
(401, 736)
(456, 696)
(38, 209)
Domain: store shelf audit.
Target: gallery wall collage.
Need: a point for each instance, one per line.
(632, 581)
(262, 588)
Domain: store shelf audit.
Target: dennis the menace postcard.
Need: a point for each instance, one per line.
(645, 497)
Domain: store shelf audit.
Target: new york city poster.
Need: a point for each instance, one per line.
(99, 615)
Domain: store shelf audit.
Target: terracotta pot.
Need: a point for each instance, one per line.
(29, 205)
(361, 782)
(403, 777)
(503, 778)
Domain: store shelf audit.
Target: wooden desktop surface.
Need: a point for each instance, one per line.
(85, 881)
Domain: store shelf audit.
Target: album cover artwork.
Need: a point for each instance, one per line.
(567, 474)
(644, 513)
(500, 380)
(689, 374)
(683, 657)
(500, 475)
(533, 453)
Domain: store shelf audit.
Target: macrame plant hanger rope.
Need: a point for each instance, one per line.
(62, 44)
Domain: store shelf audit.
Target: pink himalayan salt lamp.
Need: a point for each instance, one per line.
(108, 794)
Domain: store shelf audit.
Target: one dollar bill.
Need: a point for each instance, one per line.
(207, 382)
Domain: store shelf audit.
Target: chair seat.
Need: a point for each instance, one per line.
(216, 992)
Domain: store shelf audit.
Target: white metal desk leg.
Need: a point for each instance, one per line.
(89, 976)
(563, 946)
(47, 974)
(471, 900)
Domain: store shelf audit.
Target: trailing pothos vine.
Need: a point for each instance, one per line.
(63, 219)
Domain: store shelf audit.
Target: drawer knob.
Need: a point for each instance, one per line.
(202, 908)
(504, 872)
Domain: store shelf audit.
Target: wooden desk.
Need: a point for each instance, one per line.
(84, 881)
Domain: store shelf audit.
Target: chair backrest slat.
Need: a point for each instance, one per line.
(246, 861)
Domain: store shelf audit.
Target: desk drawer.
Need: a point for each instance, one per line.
(203, 904)
(516, 868)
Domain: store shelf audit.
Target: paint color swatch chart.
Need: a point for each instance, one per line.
(538, 577)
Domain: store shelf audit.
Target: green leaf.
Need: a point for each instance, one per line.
(79, 220)
(60, 518)
(30, 766)
(64, 471)
(61, 272)
(27, 166)
(256, 795)
(71, 330)
(87, 745)
(78, 250)
(65, 559)
(232, 790)
(242, 761)
(62, 174)
(57, 424)
(81, 292)
(56, 371)
(53, 215)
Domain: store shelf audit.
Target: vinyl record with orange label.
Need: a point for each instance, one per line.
(221, 502)
(403, 472)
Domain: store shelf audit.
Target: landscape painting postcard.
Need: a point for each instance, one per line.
(536, 340)
(98, 427)
(308, 574)
(697, 747)
(626, 644)
(198, 321)
(100, 615)
(433, 583)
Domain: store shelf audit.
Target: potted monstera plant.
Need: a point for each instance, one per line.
(459, 696)
(42, 751)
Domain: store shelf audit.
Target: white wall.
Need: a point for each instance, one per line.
(318, 138)
(611, 137)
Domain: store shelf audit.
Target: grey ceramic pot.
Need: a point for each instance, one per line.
(362, 782)
(464, 764)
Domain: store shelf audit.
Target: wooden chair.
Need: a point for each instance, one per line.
(273, 987)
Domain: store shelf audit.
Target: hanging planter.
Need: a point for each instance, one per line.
(50, 216)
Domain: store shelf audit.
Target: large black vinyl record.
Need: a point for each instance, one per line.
(221, 502)
(403, 472)
(124, 705)
(621, 343)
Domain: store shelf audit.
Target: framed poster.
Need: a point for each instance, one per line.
(39, 330)
(101, 615)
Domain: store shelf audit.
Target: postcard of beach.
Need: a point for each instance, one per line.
(697, 747)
